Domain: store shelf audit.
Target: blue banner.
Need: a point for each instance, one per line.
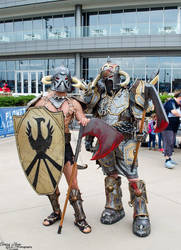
(6, 119)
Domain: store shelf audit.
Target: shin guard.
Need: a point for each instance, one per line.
(76, 201)
(113, 209)
(138, 196)
(54, 201)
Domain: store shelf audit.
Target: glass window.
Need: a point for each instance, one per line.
(8, 27)
(19, 82)
(40, 84)
(33, 82)
(69, 20)
(2, 65)
(18, 25)
(58, 21)
(127, 63)
(143, 21)
(104, 17)
(165, 62)
(10, 65)
(156, 20)
(176, 62)
(25, 81)
(165, 80)
(116, 22)
(37, 24)
(28, 25)
(24, 65)
(176, 80)
(1, 26)
(153, 62)
(10, 80)
(129, 22)
(93, 19)
(170, 21)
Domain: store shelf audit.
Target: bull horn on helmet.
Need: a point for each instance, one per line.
(155, 79)
(78, 83)
(47, 79)
(94, 82)
(125, 83)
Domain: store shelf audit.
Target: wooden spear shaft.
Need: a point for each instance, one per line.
(67, 198)
(138, 143)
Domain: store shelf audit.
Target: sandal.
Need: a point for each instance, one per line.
(82, 225)
(52, 218)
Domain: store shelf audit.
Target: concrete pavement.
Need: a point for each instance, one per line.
(22, 210)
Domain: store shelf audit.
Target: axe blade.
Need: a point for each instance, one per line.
(162, 119)
(109, 138)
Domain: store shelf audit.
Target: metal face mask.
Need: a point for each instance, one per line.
(111, 77)
(61, 80)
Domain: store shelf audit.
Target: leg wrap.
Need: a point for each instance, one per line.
(54, 201)
(113, 209)
(113, 193)
(76, 201)
(141, 222)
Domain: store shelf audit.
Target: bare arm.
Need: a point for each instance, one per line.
(79, 114)
(175, 113)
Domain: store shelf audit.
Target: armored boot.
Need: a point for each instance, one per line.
(76, 201)
(56, 214)
(113, 211)
(141, 221)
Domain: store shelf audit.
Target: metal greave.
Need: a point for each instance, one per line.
(138, 198)
(113, 193)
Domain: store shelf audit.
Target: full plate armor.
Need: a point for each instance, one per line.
(122, 107)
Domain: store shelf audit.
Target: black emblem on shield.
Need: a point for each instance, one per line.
(41, 144)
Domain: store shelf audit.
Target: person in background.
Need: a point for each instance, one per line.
(152, 135)
(160, 142)
(172, 108)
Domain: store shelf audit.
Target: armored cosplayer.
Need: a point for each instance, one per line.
(123, 108)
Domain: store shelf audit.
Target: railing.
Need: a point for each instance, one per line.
(91, 31)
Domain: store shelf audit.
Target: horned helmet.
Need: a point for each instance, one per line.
(60, 81)
(110, 74)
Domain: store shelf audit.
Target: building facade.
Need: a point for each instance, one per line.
(38, 35)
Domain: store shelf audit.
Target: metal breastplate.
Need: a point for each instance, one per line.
(110, 108)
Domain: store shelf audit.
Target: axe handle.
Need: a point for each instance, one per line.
(67, 198)
(138, 143)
